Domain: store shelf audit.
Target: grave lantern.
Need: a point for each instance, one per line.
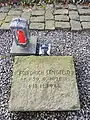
(20, 29)
(23, 43)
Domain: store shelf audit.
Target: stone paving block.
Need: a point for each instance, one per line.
(84, 11)
(4, 9)
(58, 6)
(61, 18)
(17, 8)
(63, 25)
(49, 7)
(14, 12)
(50, 24)
(72, 7)
(26, 17)
(73, 12)
(74, 15)
(49, 16)
(82, 7)
(61, 12)
(85, 25)
(5, 26)
(37, 19)
(85, 18)
(26, 14)
(49, 11)
(38, 12)
(75, 25)
(39, 26)
(2, 16)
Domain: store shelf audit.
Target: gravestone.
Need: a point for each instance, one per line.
(42, 83)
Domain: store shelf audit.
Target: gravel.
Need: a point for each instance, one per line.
(63, 43)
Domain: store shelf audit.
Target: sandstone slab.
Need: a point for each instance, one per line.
(26, 16)
(37, 19)
(37, 26)
(85, 18)
(4, 9)
(85, 25)
(2, 16)
(82, 6)
(61, 12)
(14, 12)
(17, 8)
(49, 16)
(5, 26)
(63, 25)
(44, 83)
(49, 25)
(75, 25)
(38, 12)
(72, 7)
(58, 6)
(9, 18)
(62, 18)
(84, 11)
(74, 15)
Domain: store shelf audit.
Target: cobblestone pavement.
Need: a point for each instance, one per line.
(75, 17)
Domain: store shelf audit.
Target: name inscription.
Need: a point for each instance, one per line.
(52, 78)
(47, 72)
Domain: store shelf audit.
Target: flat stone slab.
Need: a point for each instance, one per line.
(2, 16)
(9, 18)
(50, 25)
(14, 12)
(58, 6)
(17, 8)
(4, 9)
(62, 18)
(73, 15)
(73, 12)
(5, 26)
(62, 25)
(85, 18)
(38, 12)
(38, 26)
(26, 14)
(61, 12)
(82, 6)
(75, 25)
(72, 7)
(84, 11)
(49, 16)
(85, 25)
(37, 19)
(44, 83)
